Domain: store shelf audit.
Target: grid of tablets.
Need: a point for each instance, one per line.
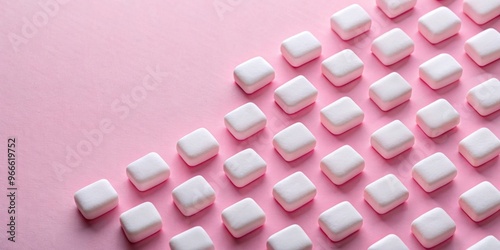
(384, 194)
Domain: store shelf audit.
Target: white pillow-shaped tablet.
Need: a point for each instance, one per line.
(301, 48)
(385, 194)
(289, 238)
(394, 8)
(481, 201)
(484, 48)
(197, 147)
(96, 199)
(295, 94)
(294, 141)
(434, 172)
(341, 115)
(243, 217)
(439, 24)
(485, 97)
(433, 227)
(253, 74)
(193, 238)
(392, 139)
(437, 118)
(479, 147)
(340, 221)
(148, 171)
(440, 71)
(140, 222)
(245, 121)
(487, 243)
(294, 191)
(342, 68)
(350, 21)
(390, 91)
(193, 195)
(244, 167)
(481, 11)
(392, 46)
(389, 242)
(342, 165)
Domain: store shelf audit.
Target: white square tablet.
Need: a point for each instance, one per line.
(389, 242)
(434, 172)
(289, 238)
(484, 48)
(340, 221)
(439, 24)
(140, 222)
(437, 118)
(193, 195)
(390, 91)
(341, 115)
(440, 71)
(392, 46)
(245, 121)
(244, 167)
(96, 199)
(487, 243)
(481, 201)
(350, 21)
(148, 171)
(194, 238)
(294, 141)
(253, 74)
(295, 94)
(294, 191)
(485, 97)
(394, 8)
(301, 48)
(197, 147)
(433, 227)
(342, 164)
(243, 217)
(481, 11)
(342, 67)
(392, 139)
(479, 147)
(385, 194)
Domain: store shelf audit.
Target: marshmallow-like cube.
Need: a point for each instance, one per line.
(391, 241)
(243, 217)
(433, 227)
(394, 8)
(301, 48)
(253, 74)
(392, 46)
(487, 243)
(440, 71)
(289, 238)
(342, 165)
(485, 97)
(148, 171)
(484, 48)
(245, 121)
(197, 147)
(434, 172)
(294, 191)
(385, 194)
(193, 195)
(96, 199)
(340, 221)
(392, 139)
(479, 147)
(390, 91)
(294, 141)
(295, 94)
(437, 118)
(193, 238)
(481, 201)
(439, 24)
(244, 167)
(140, 222)
(481, 11)
(342, 67)
(350, 21)
(341, 115)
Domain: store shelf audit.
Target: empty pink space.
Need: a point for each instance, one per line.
(87, 87)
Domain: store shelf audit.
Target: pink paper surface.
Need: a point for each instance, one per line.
(75, 72)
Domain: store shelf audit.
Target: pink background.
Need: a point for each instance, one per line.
(69, 73)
